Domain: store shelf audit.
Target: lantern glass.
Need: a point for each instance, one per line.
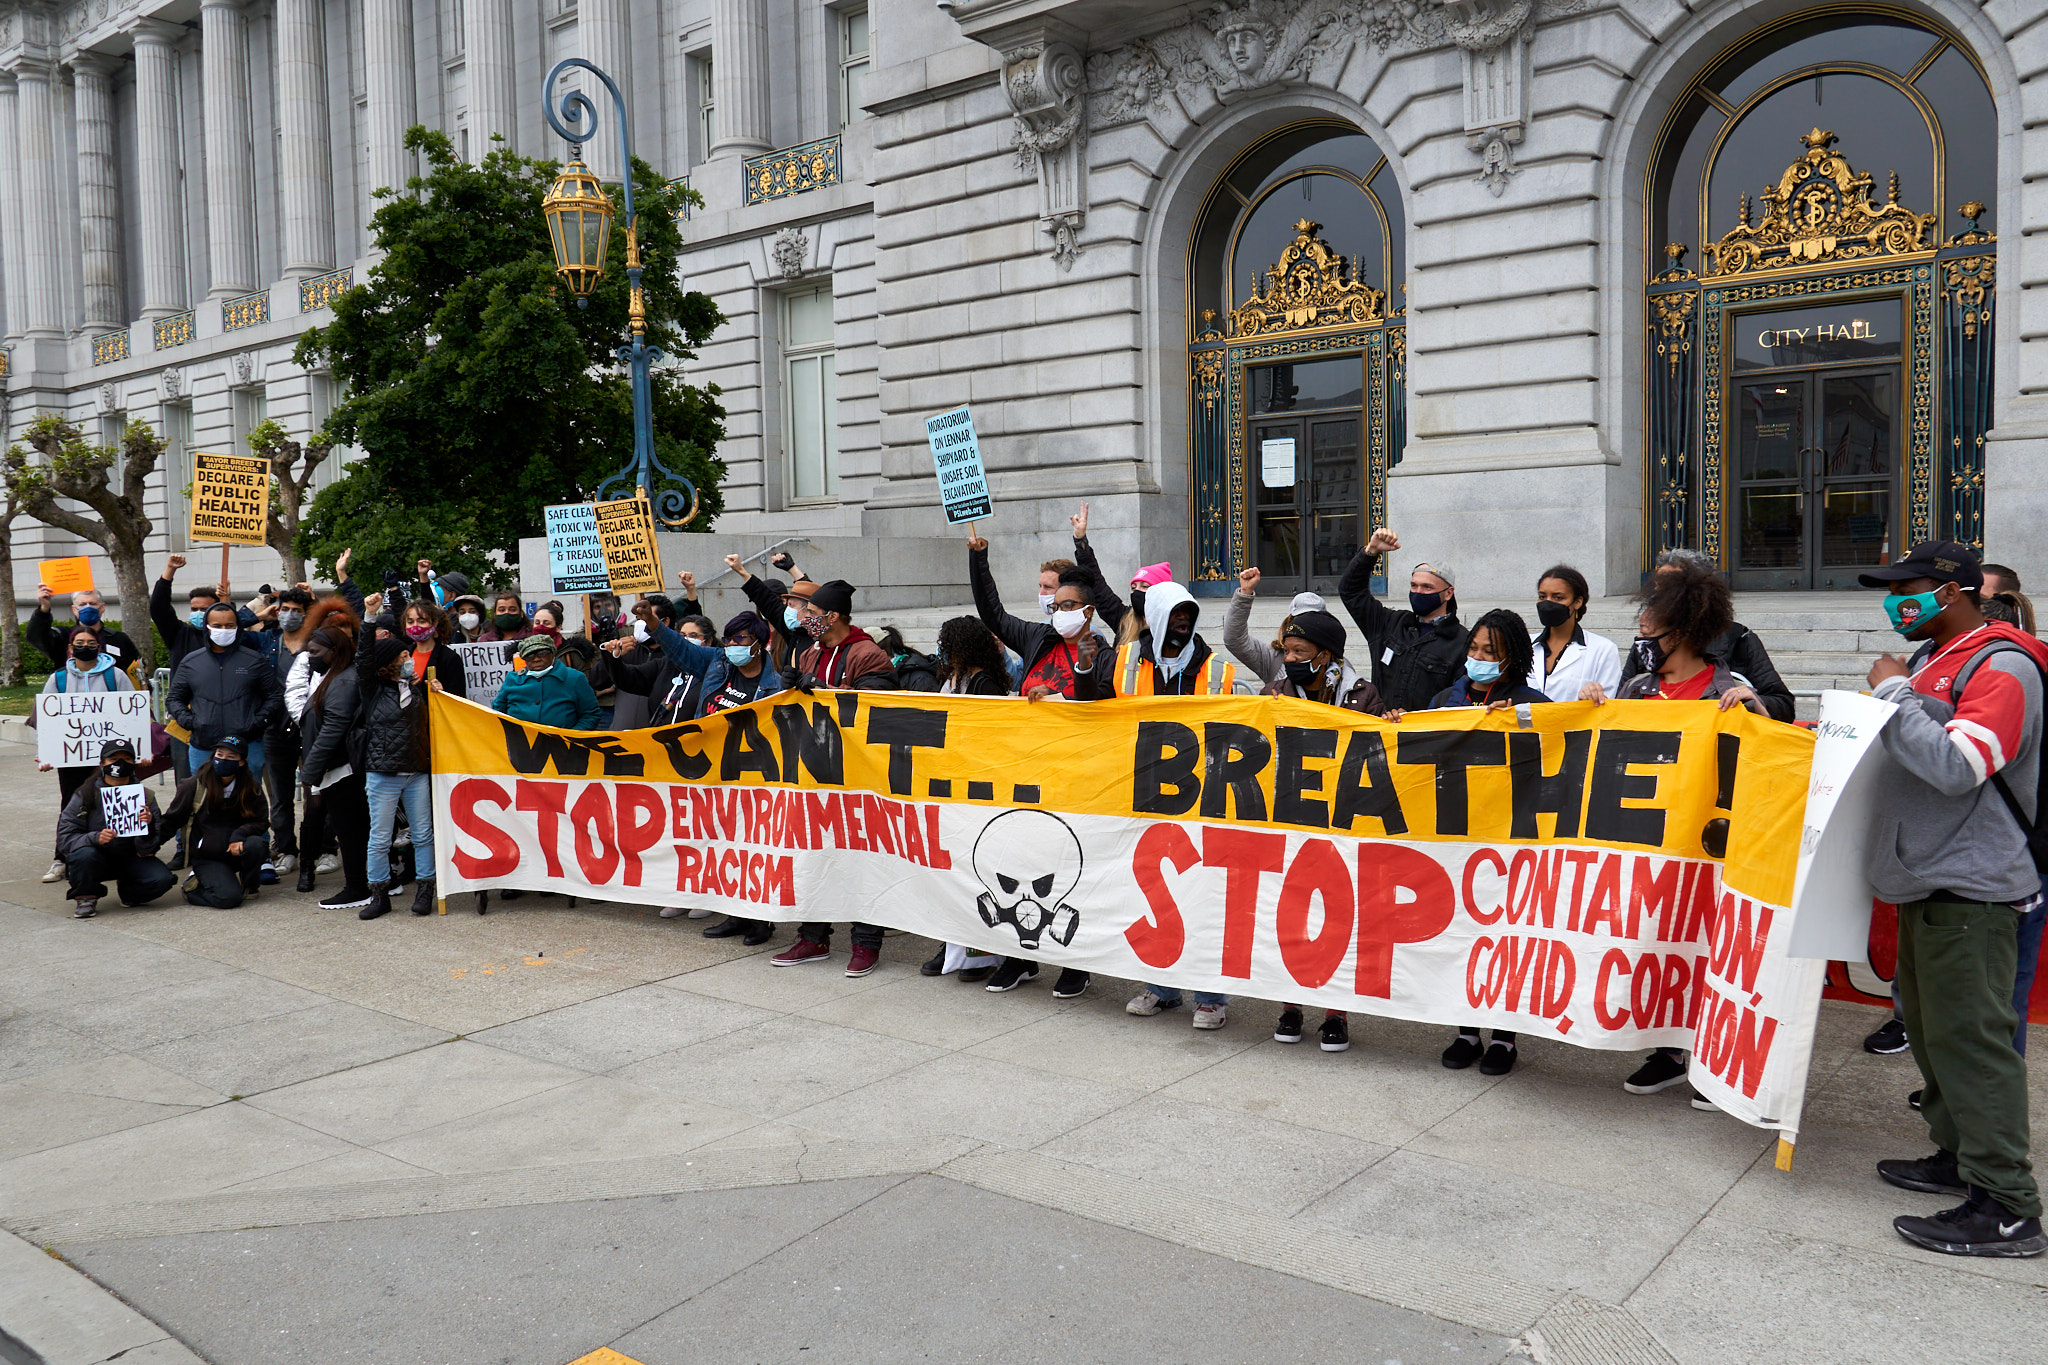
(579, 215)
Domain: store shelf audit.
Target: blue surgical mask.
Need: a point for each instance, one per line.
(1910, 611)
(739, 656)
(88, 616)
(199, 620)
(1482, 670)
(791, 619)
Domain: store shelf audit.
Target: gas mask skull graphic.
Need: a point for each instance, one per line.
(1029, 861)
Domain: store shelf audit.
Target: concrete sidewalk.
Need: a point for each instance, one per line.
(286, 1135)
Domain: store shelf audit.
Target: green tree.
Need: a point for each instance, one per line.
(291, 474)
(479, 391)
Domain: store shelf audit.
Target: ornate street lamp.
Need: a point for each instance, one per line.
(579, 214)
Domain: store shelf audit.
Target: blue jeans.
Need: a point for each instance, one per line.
(1167, 995)
(2031, 925)
(385, 791)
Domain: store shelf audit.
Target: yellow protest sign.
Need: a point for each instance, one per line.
(627, 529)
(230, 498)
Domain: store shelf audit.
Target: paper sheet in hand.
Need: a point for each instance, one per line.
(121, 808)
(1831, 889)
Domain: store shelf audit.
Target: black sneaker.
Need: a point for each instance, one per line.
(758, 932)
(1070, 984)
(1700, 1101)
(1336, 1033)
(1014, 972)
(935, 965)
(1889, 1040)
(1463, 1051)
(1499, 1059)
(1937, 1174)
(975, 975)
(730, 927)
(1913, 1100)
(1660, 1072)
(1288, 1030)
(348, 898)
(1980, 1226)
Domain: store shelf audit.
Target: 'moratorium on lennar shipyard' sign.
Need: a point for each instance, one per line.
(963, 484)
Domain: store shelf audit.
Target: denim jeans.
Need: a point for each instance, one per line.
(1168, 995)
(385, 791)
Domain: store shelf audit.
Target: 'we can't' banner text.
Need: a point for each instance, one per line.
(1613, 876)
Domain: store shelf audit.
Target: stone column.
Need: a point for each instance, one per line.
(492, 71)
(157, 159)
(42, 248)
(12, 279)
(605, 31)
(99, 204)
(387, 73)
(739, 77)
(304, 168)
(230, 159)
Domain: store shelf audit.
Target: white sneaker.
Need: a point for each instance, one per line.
(329, 862)
(56, 872)
(701, 913)
(1211, 1016)
(1145, 1004)
(285, 863)
(673, 911)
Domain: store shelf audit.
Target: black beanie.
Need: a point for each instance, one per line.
(836, 595)
(1320, 629)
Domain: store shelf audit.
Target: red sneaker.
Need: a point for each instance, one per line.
(863, 961)
(802, 951)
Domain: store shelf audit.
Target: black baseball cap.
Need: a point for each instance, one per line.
(117, 748)
(1944, 561)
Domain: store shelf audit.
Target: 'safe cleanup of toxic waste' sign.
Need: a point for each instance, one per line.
(1614, 876)
(626, 530)
(963, 484)
(230, 498)
(71, 726)
(575, 550)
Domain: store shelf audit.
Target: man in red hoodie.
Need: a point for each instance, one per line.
(841, 655)
(1951, 847)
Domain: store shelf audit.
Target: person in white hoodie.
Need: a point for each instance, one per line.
(1567, 657)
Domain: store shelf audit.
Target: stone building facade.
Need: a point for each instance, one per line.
(1530, 280)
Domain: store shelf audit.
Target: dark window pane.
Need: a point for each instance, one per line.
(1335, 489)
(1866, 329)
(1349, 224)
(1891, 44)
(1969, 127)
(1770, 429)
(1855, 527)
(1857, 426)
(1337, 383)
(1880, 131)
(1772, 537)
(1678, 183)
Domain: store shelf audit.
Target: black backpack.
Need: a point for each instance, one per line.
(2036, 829)
(917, 672)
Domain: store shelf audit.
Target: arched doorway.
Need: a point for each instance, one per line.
(1297, 354)
(1819, 387)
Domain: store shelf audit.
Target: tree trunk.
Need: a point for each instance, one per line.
(283, 535)
(131, 580)
(11, 672)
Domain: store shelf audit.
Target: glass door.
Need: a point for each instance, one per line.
(1307, 452)
(1815, 473)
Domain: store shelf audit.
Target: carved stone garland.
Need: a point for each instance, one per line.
(1820, 210)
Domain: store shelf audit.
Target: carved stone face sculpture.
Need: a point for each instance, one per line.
(1247, 48)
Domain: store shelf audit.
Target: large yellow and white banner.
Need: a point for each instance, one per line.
(1614, 876)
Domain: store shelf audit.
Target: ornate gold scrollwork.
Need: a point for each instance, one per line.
(1967, 278)
(1209, 379)
(1820, 210)
(1310, 286)
(1674, 323)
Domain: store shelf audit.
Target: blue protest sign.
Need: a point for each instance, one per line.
(575, 550)
(963, 484)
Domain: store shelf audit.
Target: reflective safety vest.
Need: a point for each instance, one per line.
(1135, 674)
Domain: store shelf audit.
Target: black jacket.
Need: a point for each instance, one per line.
(1028, 640)
(770, 608)
(181, 637)
(80, 825)
(233, 692)
(324, 728)
(394, 726)
(214, 827)
(1426, 657)
(55, 640)
(1743, 653)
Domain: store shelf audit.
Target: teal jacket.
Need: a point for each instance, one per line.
(562, 699)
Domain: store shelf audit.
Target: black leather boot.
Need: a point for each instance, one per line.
(306, 875)
(423, 896)
(380, 901)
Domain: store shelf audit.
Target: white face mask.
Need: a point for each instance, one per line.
(1045, 602)
(1069, 623)
(470, 620)
(222, 635)
(639, 629)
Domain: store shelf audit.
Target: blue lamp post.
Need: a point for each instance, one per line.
(579, 214)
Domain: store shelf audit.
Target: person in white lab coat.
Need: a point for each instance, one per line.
(1567, 658)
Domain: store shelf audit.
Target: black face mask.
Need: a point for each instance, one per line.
(1423, 603)
(507, 623)
(1302, 672)
(118, 772)
(85, 654)
(1138, 603)
(319, 665)
(1552, 614)
(226, 768)
(1649, 652)
(1177, 636)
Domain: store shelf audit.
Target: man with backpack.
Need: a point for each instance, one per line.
(1956, 846)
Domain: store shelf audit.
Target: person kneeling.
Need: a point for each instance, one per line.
(94, 854)
(230, 821)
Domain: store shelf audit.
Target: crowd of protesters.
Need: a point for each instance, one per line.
(318, 703)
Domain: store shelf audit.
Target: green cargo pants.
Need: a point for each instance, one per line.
(1957, 960)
